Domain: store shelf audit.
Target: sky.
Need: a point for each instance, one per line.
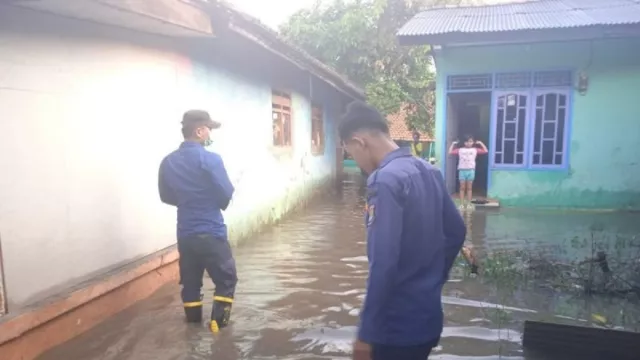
(274, 12)
(271, 12)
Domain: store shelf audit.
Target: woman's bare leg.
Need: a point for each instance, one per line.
(469, 192)
(463, 187)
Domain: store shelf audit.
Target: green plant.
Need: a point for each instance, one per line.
(358, 39)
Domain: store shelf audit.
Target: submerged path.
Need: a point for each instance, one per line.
(301, 284)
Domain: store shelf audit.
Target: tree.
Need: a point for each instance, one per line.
(358, 39)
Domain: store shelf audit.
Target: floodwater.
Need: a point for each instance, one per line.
(301, 284)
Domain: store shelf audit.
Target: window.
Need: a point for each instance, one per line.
(317, 131)
(549, 127)
(511, 114)
(281, 116)
(531, 122)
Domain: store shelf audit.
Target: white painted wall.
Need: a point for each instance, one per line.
(85, 123)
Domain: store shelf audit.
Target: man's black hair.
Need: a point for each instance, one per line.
(360, 116)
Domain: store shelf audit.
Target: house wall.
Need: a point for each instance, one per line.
(88, 114)
(604, 165)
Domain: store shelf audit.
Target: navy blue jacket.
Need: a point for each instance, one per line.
(414, 234)
(196, 181)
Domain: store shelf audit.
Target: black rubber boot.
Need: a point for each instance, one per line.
(193, 311)
(193, 314)
(220, 313)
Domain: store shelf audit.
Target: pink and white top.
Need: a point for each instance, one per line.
(467, 157)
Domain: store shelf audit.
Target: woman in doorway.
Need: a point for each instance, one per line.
(467, 166)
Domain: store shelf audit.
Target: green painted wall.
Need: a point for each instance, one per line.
(604, 165)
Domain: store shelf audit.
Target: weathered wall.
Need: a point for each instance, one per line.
(604, 165)
(88, 114)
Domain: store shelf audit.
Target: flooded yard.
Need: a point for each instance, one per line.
(301, 284)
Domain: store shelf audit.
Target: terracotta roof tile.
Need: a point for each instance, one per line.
(399, 130)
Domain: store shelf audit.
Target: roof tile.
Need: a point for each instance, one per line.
(398, 128)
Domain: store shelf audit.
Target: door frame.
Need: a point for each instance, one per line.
(446, 129)
(449, 172)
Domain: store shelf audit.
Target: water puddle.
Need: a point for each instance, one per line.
(327, 340)
(482, 333)
(449, 300)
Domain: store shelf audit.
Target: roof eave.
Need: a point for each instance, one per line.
(162, 17)
(522, 36)
(297, 57)
(250, 28)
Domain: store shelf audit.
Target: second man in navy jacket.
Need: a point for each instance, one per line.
(414, 234)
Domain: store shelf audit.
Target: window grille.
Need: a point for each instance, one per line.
(513, 80)
(469, 82)
(552, 78)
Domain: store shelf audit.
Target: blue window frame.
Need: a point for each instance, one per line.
(510, 128)
(549, 128)
(531, 120)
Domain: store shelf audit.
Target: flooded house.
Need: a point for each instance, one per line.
(550, 86)
(92, 94)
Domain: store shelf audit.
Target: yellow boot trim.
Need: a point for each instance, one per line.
(214, 326)
(193, 304)
(223, 299)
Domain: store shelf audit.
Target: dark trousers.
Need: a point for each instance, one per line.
(205, 252)
(387, 352)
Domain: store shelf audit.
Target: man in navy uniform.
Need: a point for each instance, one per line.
(196, 182)
(414, 233)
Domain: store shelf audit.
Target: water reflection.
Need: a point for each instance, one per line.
(302, 283)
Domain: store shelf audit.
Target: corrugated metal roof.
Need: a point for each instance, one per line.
(532, 15)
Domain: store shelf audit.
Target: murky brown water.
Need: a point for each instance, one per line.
(302, 283)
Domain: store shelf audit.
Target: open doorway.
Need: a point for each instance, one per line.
(468, 113)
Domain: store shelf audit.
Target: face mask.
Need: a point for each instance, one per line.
(207, 142)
